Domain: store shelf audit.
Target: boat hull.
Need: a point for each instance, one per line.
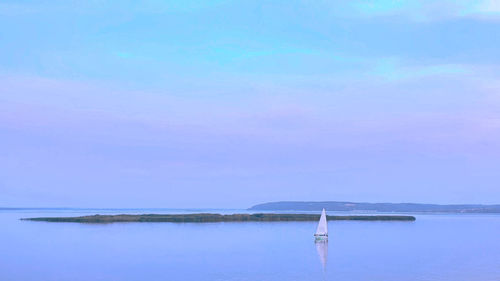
(321, 237)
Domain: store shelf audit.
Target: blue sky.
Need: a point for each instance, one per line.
(231, 103)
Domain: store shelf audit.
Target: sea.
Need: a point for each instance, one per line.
(435, 247)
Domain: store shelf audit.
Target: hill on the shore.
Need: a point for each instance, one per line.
(374, 207)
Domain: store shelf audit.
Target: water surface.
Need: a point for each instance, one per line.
(435, 247)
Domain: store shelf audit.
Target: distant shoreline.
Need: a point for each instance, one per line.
(205, 217)
(339, 206)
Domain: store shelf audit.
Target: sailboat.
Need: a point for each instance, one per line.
(322, 230)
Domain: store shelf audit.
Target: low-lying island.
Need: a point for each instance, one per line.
(205, 217)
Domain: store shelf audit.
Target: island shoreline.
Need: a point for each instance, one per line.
(207, 217)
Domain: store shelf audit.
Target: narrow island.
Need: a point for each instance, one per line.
(205, 217)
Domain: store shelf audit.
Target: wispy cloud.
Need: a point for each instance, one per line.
(393, 69)
(428, 10)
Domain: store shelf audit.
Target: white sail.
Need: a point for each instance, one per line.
(322, 229)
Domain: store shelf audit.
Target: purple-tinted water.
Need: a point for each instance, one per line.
(435, 247)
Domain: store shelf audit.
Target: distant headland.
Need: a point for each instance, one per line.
(198, 218)
(374, 207)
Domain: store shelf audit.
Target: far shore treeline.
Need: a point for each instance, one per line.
(197, 218)
(375, 207)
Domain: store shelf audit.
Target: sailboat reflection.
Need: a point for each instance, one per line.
(321, 239)
(322, 249)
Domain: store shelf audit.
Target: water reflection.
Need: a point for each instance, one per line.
(322, 249)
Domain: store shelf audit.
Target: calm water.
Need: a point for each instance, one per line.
(435, 247)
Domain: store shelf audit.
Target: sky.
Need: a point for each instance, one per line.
(227, 104)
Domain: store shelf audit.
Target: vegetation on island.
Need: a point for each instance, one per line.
(205, 217)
